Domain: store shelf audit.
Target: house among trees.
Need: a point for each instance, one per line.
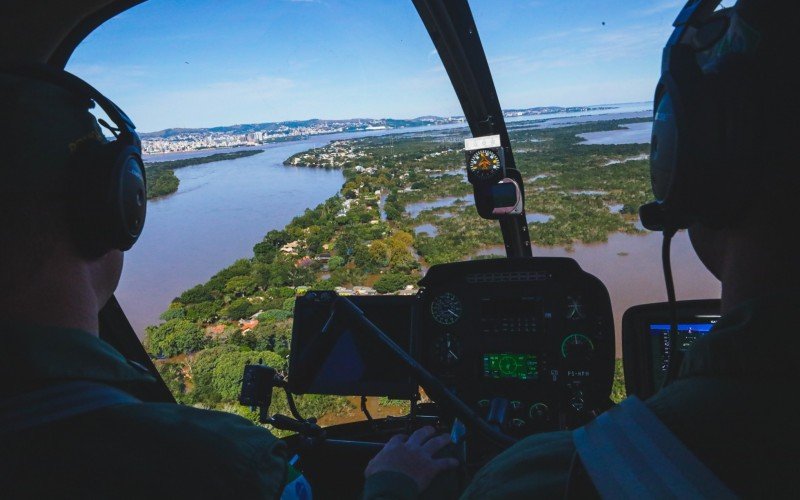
(291, 247)
(248, 325)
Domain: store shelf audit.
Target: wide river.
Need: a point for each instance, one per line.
(219, 212)
(222, 209)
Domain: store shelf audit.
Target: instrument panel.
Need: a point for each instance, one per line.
(528, 343)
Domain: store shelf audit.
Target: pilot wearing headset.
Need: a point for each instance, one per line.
(723, 165)
(71, 421)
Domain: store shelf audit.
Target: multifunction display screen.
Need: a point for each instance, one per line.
(510, 366)
(345, 361)
(660, 344)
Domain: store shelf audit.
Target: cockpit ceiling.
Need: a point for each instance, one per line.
(48, 31)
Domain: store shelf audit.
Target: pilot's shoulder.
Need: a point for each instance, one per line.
(537, 466)
(222, 441)
(220, 430)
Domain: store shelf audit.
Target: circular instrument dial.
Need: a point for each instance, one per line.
(575, 308)
(447, 350)
(484, 164)
(446, 308)
(576, 345)
(539, 411)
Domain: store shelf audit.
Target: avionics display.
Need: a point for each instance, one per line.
(345, 361)
(645, 339)
(687, 334)
(510, 366)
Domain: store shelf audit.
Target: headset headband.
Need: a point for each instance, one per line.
(72, 83)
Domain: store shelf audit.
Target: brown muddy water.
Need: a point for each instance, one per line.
(630, 267)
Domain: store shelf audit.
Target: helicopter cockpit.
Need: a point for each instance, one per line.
(492, 349)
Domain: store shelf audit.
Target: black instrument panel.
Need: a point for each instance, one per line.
(528, 343)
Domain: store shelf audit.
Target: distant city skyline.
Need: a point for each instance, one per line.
(170, 64)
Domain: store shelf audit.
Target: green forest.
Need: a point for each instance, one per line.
(366, 236)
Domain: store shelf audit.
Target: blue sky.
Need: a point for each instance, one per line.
(198, 63)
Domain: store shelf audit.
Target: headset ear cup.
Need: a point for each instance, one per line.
(128, 201)
(727, 139)
(110, 202)
(703, 192)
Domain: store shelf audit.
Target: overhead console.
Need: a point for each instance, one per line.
(527, 343)
(646, 340)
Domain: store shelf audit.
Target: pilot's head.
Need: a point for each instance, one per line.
(41, 128)
(759, 100)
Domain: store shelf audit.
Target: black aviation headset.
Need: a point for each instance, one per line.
(707, 107)
(106, 184)
(705, 142)
(707, 128)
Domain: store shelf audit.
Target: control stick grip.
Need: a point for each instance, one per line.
(498, 409)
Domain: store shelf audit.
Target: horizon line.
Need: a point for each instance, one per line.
(391, 118)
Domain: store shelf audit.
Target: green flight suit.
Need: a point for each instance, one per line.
(731, 405)
(147, 450)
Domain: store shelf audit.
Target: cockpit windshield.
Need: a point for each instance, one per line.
(319, 145)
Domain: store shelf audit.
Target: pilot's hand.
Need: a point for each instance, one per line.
(413, 456)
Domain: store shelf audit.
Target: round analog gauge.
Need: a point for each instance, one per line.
(576, 345)
(575, 308)
(539, 411)
(484, 163)
(446, 308)
(447, 350)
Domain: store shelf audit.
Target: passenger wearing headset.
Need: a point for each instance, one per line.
(723, 165)
(71, 423)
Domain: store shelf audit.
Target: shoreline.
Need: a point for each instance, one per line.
(600, 111)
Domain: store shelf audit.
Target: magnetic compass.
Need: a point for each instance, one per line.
(484, 164)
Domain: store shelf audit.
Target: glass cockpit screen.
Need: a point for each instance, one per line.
(345, 361)
(510, 366)
(688, 333)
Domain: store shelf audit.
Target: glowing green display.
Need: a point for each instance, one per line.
(507, 365)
